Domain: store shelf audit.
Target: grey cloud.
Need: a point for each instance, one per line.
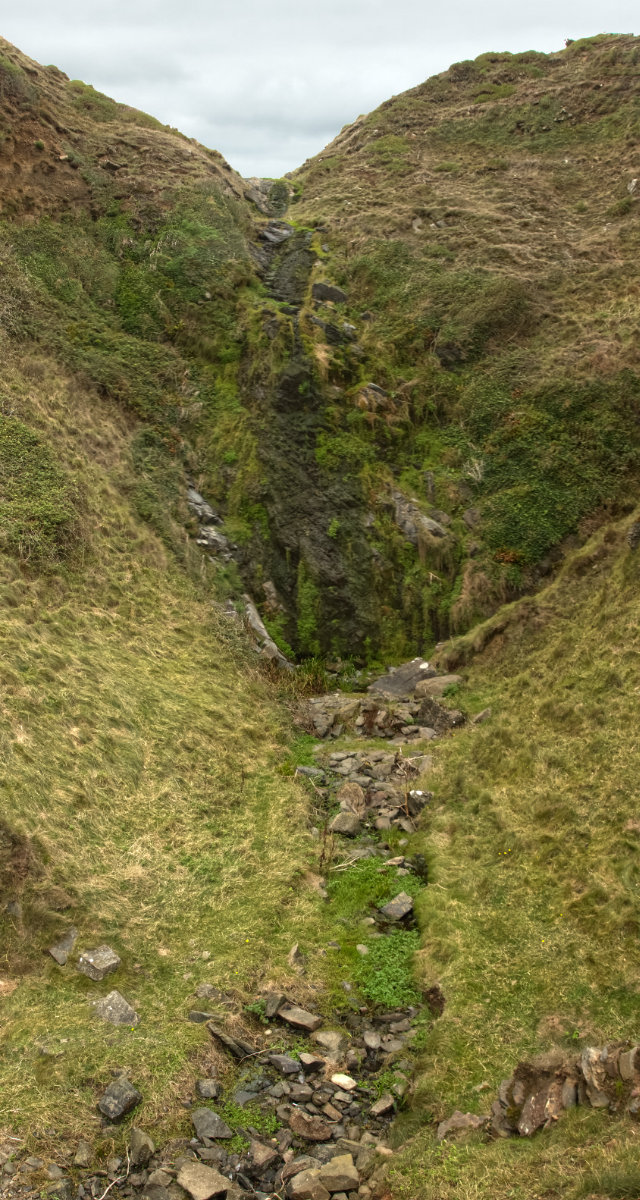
(270, 84)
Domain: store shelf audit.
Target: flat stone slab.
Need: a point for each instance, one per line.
(208, 1124)
(99, 962)
(62, 949)
(118, 1099)
(208, 1089)
(398, 908)
(284, 1064)
(307, 1186)
(299, 1018)
(116, 1010)
(202, 1182)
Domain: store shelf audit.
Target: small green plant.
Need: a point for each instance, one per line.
(38, 145)
(386, 975)
(257, 1008)
(334, 528)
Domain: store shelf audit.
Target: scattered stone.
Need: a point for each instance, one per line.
(159, 1178)
(372, 1040)
(383, 1106)
(62, 949)
(235, 1046)
(481, 717)
(347, 823)
(311, 1062)
(198, 1017)
(398, 909)
(339, 1174)
(141, 1148)
(345, 1082)
(116, 1010)
(202, 1182)
(208, 1124)
(272, 1002)
(307, 1186)
(99, 962)
(459, 1122)
(295, 959)
(362, 949)
(285, 1064)
(299, 1018)
(208, 1089)
(330, 1040)
(312, 1129)
(83, 1155)
(436, 686)
(261, 1157)
(118, 1099)
(316, 774)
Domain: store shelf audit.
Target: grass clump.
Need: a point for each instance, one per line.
(39, 520)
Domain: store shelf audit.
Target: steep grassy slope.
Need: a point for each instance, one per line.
(531, 922)
(485, 228)
(143, 798)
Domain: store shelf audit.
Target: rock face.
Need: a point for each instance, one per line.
(116, 1010)
(327, 291)
(99, 962)
(118, 1099)
(202, 1183)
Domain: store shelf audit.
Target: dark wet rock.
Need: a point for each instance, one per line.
(202, 510)
(208, 1124)
(99, 962)
(402, 681)
(118, 1099)
(327, 291)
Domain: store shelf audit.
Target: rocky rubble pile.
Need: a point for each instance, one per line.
(402, 705)
(544, 1087)
(372, 788)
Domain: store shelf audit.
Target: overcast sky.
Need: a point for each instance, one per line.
(270, 82)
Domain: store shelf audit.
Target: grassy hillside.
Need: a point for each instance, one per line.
(531, 922)
(142, 793)
(484, 226)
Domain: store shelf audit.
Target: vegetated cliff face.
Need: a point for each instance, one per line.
(394, 459)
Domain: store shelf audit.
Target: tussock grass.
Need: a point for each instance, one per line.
(532, 917)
